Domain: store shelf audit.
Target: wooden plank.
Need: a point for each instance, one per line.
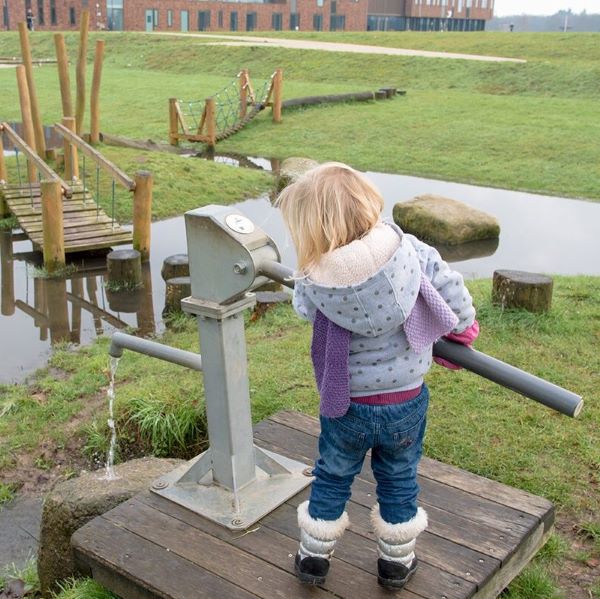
(278, 549)
(450, 475)
(127, 555)
(98, 244)
(70, 223)
(509, 520)
(95, 233)
(209, 553)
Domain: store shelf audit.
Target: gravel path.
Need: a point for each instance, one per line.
(241, 40)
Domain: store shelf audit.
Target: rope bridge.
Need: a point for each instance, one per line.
(224, 113)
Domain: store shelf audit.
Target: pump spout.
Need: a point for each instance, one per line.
(121, 341)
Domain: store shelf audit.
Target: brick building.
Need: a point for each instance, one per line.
(241, 15)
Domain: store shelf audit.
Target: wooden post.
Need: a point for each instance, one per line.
(38, 128)
(58, 309)
(142, 213)
(124, 269)
(63, 74)
(243, 92)
(277, 95)
(52, 223)
(211, 122)
(28, 133)
(3, 178)
(145, 311)
(525, 290)
(95, 94)
(173, 122)
(80, 72)
(71, 157)
(7, 304)
(77, 290)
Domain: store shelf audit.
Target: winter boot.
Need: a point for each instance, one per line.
(396, 547)
(317, 540)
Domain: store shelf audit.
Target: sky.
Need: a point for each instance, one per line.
(543, 7)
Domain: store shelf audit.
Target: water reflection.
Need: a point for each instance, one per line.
(75, 308)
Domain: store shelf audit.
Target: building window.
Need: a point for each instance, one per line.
(233, 21)
(72, 18)
(155, 18)
(250, 21)
(333, 7)
(170, 18)
(40, 12)
(203, 20)
(5, 19)
(220, 19)
(277, 21)
(337, 23)
(53, 12)
(294, 21)
(320, 3)
(318, 22)
(114, 15)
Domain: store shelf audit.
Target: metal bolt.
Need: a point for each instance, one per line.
(307, 472)
(240, 268)
(160, 484)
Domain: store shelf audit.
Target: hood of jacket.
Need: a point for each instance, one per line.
(376, 305)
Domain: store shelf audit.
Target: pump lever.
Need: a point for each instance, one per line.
(555, 397)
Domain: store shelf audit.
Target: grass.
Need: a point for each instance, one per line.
(85, 588)
(27, 573)
(7, 493)
(461, 120)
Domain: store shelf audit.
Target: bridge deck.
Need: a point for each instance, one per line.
(86, 226)
(481, 534)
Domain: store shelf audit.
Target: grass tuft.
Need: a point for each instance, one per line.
(27, 573)
(533, 583)
(83, 588)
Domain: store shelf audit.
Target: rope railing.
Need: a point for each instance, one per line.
(224, 113)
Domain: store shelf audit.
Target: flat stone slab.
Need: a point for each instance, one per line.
(437, 219)
(292, 169)
(74, 502)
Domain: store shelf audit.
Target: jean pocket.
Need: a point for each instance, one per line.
(340, 433)
(410, 437)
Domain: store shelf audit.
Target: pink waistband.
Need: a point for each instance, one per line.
(383, 399)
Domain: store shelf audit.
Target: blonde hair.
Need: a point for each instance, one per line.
(326, 208)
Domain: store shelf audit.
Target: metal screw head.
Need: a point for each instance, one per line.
(240, 268)
(307, 472)
(160, 484)
(237, 522)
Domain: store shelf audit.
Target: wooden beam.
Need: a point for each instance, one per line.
(70, 152)
(28, 130)
(42, 167)
(173, 122)
(277, 95)
(100, 160)
(95, 94)
(80, 71)
(38, 127)
(63, 74)
(142, 214)
(52, 217)
(211, 122)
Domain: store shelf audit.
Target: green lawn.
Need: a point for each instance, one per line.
(530, 126)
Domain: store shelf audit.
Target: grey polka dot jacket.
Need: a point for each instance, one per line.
(381, 360)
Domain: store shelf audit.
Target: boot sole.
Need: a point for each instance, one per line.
(305, 578)
(395, 583)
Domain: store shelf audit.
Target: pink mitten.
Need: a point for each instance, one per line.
(465, 338)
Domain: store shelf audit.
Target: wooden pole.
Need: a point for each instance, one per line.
(71, 157)
(95, 94)
(243, 92)
(80, 72)
(7, 303)
(142, 213)
(63, 74)
(173, 122)
(28, 133)
(52, 223)
(211, 122)
(3, 171)
(38, 128)
(277, 95)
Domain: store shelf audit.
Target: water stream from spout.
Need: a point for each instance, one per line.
(110, 456)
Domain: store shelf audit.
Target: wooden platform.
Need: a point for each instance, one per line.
(86, 227)
(481, 534)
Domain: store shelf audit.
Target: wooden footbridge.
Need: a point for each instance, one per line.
(61, 217)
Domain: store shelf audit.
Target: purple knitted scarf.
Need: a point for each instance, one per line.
(429, 319)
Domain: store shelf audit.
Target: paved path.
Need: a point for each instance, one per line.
(241, 40)
(19, 531)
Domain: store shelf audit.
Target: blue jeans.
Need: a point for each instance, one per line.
(394, 433)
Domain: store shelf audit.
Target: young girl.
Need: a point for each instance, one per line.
(377, 299)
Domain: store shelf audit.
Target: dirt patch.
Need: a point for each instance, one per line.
(580, 571)
(36, 471)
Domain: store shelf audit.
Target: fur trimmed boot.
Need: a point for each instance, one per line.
(396, 547)
(317, 540)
